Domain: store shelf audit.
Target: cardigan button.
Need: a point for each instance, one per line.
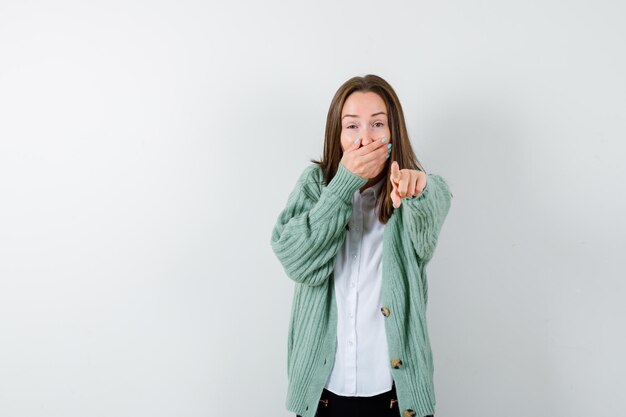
(385, 311)
(409, 413)
(396, 363)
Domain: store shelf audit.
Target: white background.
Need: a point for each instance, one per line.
(146, 149)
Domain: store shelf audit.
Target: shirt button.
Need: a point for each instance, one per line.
(385, 311)
(409, 413)
(350, 342)
(351, 315)
(396, 363)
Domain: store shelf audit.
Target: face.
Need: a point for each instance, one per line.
(364, 116)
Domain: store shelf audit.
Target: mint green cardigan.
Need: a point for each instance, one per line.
(306, 238)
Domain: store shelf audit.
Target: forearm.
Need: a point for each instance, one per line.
(311, 228)
(425, 214)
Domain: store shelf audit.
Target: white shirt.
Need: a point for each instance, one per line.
(362, 365)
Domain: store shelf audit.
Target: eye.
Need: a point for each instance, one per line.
(379, 123)
(348, 127)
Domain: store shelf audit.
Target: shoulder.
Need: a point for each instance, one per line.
(311, 175)
(437, 178)
(310, 181)
(311, 172)
(438, 181)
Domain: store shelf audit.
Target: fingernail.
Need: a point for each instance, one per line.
(356, 141)
(389, 146)
(387, 157)
(384, 139)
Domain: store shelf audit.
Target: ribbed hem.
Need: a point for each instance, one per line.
(305, 389)
(345, 183)
(416, 396)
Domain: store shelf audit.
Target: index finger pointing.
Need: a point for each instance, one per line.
(395, 171)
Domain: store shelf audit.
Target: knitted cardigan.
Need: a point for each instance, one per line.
(306, 238)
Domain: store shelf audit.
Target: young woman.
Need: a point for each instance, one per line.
(356, 234)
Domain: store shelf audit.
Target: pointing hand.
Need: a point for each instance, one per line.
(405, 183)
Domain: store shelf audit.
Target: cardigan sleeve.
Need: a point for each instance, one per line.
(423, 215)
(311, 228)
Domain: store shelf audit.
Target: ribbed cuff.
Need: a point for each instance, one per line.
(345, 183)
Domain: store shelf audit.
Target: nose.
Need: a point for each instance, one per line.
(368, 137)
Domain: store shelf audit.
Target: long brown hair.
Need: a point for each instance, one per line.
(402, 150)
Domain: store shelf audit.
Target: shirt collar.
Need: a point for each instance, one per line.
(373, 189)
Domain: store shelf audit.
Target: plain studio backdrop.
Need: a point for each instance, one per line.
(147, 149)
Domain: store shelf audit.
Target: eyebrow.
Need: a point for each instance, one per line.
(354, 115)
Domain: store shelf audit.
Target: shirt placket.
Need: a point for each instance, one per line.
(356, 237)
